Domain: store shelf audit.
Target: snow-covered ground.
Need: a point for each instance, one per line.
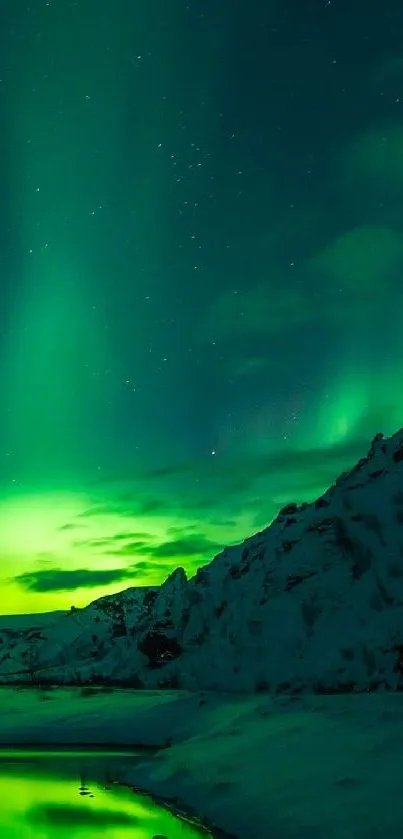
(20, 623)
(314, 767)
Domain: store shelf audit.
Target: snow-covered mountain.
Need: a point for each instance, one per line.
(66, 648)
(314, 602)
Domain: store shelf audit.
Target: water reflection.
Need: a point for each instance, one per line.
(71, 795)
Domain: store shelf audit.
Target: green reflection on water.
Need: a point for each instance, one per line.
(72, 795)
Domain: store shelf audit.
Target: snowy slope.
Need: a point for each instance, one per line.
(314, 602)
(72, 641)
(16, 623)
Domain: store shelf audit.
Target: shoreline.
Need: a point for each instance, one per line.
(175, 806)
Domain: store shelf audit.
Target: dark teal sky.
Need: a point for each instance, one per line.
(201, 254)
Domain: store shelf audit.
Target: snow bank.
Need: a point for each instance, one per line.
(311, 769)
(69, 717)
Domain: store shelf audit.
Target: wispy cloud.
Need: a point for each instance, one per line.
(191, 546)
(56, 579)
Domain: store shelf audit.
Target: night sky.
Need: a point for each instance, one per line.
(201, 275)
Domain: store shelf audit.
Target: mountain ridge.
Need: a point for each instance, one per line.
(314, 602)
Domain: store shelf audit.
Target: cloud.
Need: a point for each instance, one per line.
(197, 505)
(362, 260)
(114, 541)
(349, 273)
(169, 471)
(96, 510)
(99, 542)
(295, 470)
(298, 469)
(151, 505)
(117, 506)
(189, 546)
(182, 530)
(131, 549)
(376, 156)
(265, 309)
(56, 579)
(290, 464)
(45, 556)
(251, 366)
(389, 72)
(149, 568)
(69, 526)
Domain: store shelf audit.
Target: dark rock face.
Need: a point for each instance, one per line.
(321, 502)
(398, 455)
(159, 648)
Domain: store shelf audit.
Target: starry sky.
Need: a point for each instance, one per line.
(201, 257)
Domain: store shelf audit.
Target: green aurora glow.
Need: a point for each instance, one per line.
(69, 795)
(201, 277)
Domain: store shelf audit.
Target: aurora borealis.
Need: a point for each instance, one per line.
(201, 261)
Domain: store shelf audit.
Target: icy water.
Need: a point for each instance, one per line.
(72, 795)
